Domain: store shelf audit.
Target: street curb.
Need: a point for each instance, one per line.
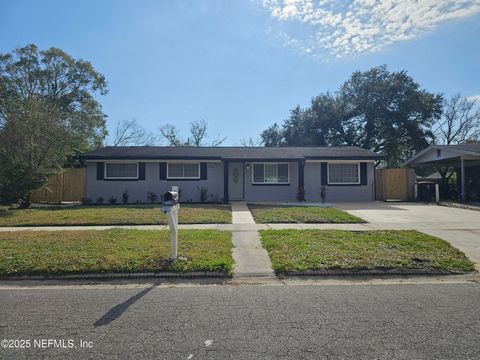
(187, 275)
(369, 272)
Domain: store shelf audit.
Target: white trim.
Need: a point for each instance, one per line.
(184, 177)
(340, 161)
(343, 183)
(267, 183)
(119, 177)
(152, 161)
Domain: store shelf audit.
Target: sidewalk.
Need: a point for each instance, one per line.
(251, 259)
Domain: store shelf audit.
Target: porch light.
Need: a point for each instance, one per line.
(247, 166)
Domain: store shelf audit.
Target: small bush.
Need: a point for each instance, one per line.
(112, 200)
(323, 193)
(203, 193)
(86, 201)
(99, 200)
(152, 197)
(125, 197)
(301, 194)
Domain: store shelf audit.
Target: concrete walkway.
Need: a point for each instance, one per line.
(251, 259)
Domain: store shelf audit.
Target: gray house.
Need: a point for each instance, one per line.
(232, 173)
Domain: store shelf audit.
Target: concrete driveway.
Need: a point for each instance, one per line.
(460, 227)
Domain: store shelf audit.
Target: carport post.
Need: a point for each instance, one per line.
(462, 172)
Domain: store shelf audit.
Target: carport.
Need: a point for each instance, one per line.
(464, 159)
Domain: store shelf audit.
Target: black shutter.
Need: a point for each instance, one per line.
(203, 171)
(100, 170)
(163, 171)
(323, 173)
(141, 171)
(363, 173)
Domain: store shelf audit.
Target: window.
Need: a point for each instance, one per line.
(344, 173)
(183, 171)
(270, 173)
(121, 171)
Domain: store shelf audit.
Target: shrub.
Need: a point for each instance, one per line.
(301, 194)
(323, 193)
(152, 197)
(125, 197)
(86, 201)
(203, 193)
(112, 200)
(99, 200)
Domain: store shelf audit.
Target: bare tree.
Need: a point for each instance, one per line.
(198, 132)
(198, 129)
(129, 132)
(460, 122)
(170, 133)
(251, 142)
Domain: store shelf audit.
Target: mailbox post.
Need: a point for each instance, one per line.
(170, 208)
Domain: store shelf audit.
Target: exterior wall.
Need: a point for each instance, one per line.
(254, 192)
(337, 193)
(138, 189)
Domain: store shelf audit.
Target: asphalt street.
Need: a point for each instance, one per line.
(417, 321)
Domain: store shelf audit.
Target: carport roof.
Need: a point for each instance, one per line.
(231, 153)
(454, 153)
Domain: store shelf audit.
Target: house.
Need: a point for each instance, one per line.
(232, 173)
(464, 159)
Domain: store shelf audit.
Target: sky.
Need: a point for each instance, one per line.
(241, 65)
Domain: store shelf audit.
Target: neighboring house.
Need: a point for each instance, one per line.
(464, 159)
(232, 173)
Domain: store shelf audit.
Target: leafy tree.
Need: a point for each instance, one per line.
(48, 114)
(383, 111)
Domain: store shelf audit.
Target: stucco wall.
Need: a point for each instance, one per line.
(138, 189)
(337, 193)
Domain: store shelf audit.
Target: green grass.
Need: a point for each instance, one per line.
(303, 250)
(265, 214)
(114, 250)
(113, 215)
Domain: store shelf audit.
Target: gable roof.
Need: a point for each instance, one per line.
(457, 149)
(230, 153)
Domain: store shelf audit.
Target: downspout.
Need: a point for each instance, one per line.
(462, 172)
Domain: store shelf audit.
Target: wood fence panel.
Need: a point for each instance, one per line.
(394, 184)
(67, 185)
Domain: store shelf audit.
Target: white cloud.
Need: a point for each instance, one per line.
(347, 29)
(474, 98)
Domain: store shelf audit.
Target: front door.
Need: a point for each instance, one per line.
(235, 181)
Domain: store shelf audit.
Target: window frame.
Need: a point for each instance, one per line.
(105, 177)
(183, 177)
(344, 183)
(270, 183)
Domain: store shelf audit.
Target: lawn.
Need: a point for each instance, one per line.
(264, 214)
(114, 250)
(113, 215)
(303, 250)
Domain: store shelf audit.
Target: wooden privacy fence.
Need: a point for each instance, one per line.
(395, 184)
(67, 185)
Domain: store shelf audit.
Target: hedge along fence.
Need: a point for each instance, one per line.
(67, 185)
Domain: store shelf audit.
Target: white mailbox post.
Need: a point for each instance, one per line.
(170, 208)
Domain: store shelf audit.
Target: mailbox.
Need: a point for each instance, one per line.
(170, 199)
(170, 207)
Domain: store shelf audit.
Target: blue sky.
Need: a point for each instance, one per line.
(242, 64)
